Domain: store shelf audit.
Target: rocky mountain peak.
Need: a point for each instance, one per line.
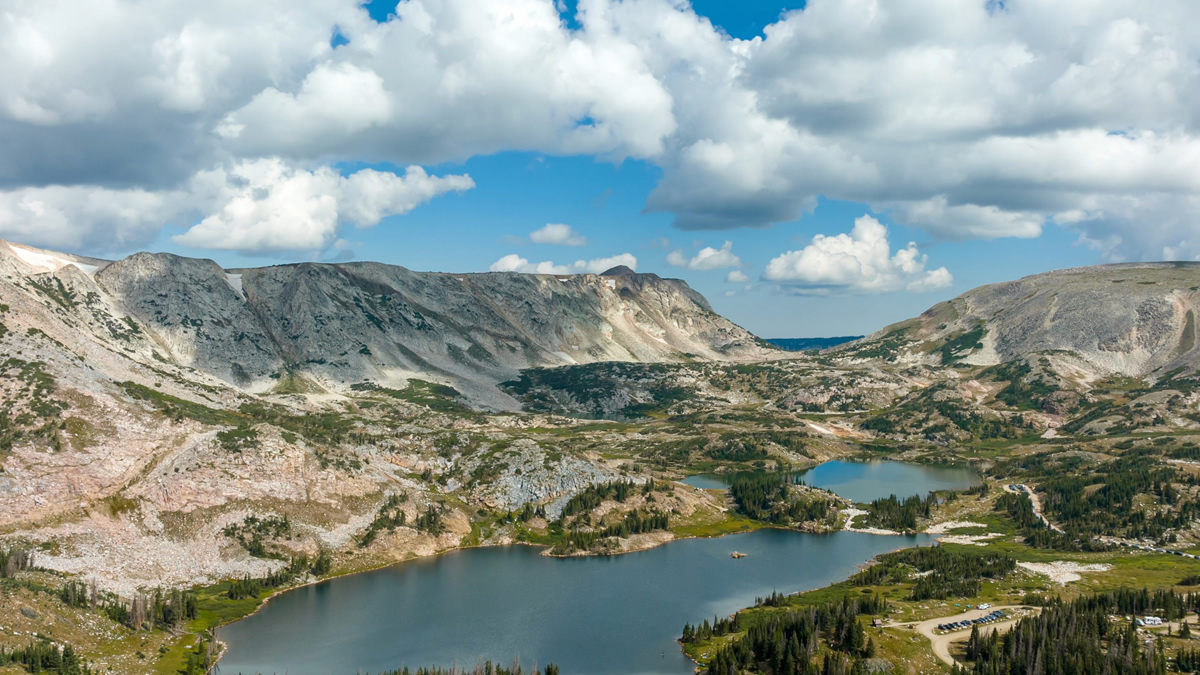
(337, 325)
(618, 271)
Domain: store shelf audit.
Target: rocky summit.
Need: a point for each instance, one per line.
(325, 327)
(1128, 319)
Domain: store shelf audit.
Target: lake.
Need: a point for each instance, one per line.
(862, 482)
(600, 615)
(591, 616)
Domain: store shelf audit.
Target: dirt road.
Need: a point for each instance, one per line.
(1036, 500)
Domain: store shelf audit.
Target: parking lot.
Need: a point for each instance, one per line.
(944, 631)
(963, 624)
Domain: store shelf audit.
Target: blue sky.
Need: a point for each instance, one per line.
(517, 193)
(778, 157)
(520, 192)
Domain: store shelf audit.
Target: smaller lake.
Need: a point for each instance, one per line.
(862, 482)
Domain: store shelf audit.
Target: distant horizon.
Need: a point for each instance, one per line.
(865, 330)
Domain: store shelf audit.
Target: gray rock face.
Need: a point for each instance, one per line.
(346, 323)
(369, 321)
(196, 313)
(1131, 319)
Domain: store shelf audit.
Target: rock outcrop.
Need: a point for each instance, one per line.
(1135, 320)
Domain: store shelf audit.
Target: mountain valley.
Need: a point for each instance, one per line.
(170, 424)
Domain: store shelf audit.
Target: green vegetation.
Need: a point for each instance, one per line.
(594, 390)
(52, 287)
(329, 428)
(635, 522)
(1080, 638)
(1022, 392)
(936, 414)
(578, 529)
(885, 347)
(943, 572)
(789, 642)
(959, 346)
(253, 533)
(770, 497)
(42, 656)
(297, 567)
(13, 560)
(30, 412)
(593, 495)
(177, 408)
(891, 513)
(238, 438)
(437, 397)
(1104, 498)
(390, 517)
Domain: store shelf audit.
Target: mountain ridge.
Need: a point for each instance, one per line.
(342, 323)
(1130, 319)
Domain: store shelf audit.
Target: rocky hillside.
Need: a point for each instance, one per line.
(1134, 320)
(318, 327)
(149, 405)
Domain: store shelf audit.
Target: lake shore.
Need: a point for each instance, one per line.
(772, 561)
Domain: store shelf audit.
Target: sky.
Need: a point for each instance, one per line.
(814, 169)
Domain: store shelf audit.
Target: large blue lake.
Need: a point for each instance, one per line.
(597, 616)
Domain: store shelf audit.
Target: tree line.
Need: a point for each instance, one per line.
(1079, 638)
(706, 630)
(389, 517)
(949, 573)
(1101, 500)
(13, 560)
(787, 642)
(252, 587)
(769, 497)
(44, 656)
(253, 533)
(526, 514)
(145, 611)
(635, 522)
(594, 495)
(891, 513)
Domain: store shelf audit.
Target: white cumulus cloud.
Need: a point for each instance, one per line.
(736, 277)
(87, 218)
(263, 206)
(858, 262)
(515, 263)
(557, 233)
(707, 258)
(964, 118)
(268, 206)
